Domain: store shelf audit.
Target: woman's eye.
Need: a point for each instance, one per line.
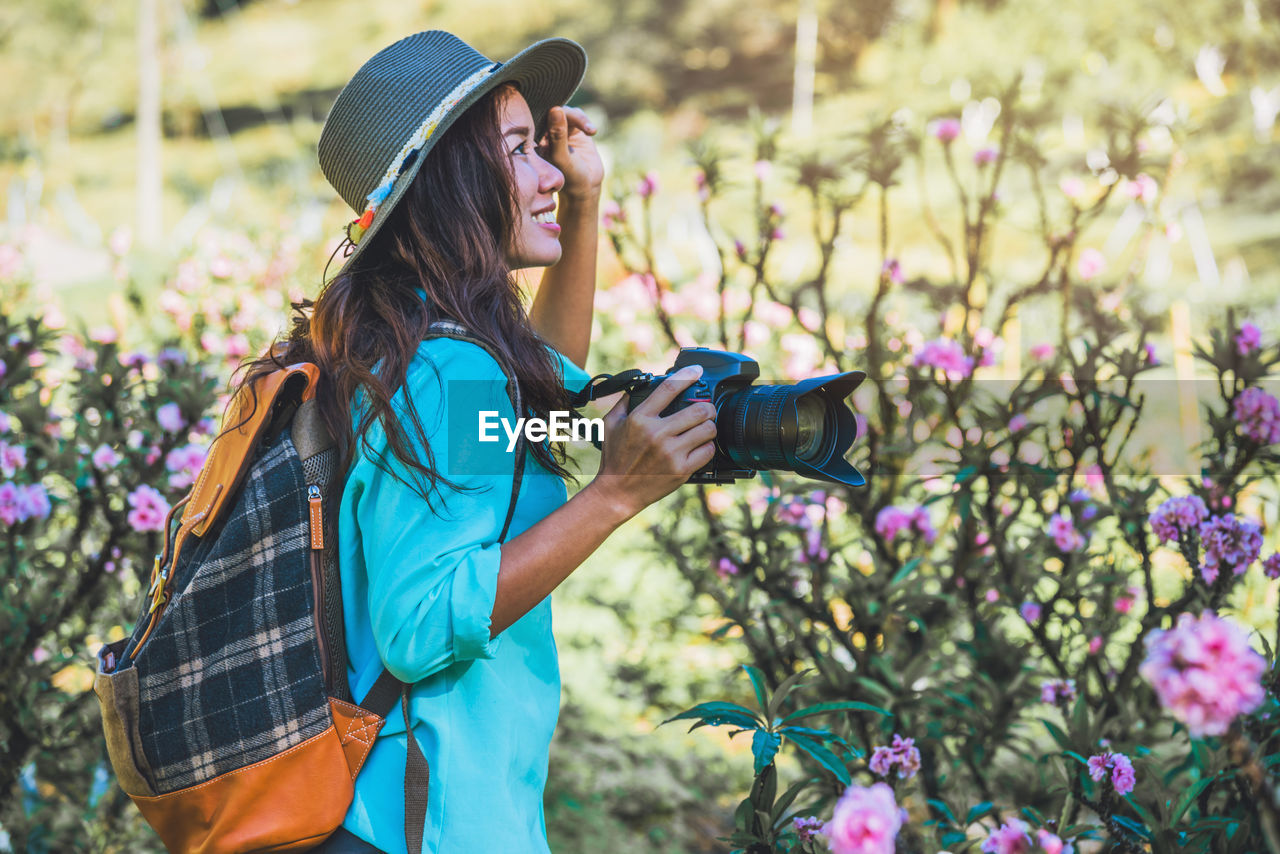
(521, 149)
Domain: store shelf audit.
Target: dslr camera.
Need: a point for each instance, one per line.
(805, 428)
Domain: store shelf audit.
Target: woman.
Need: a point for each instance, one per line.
(437, 149)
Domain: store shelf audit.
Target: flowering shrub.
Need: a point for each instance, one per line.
(990, 593)
(91, 438)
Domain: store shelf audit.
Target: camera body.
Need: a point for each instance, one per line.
(805, 427)
(722, 373)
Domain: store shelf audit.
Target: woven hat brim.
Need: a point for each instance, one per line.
(548, 73)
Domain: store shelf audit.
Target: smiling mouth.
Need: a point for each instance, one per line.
(546, 217)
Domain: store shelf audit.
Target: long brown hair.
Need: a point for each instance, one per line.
(448, 237)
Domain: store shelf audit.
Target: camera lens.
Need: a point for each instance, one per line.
(811, 417)
(802, 428)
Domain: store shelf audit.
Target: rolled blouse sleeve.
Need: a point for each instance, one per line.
(432, 567)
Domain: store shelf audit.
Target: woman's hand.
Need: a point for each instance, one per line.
(568, 146)
(645, 456)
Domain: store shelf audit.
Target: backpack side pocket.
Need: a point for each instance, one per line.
(118, 696)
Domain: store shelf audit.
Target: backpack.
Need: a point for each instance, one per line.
(227, 712)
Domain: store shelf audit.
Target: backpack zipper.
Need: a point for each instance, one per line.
(317, 517)
(315, 507)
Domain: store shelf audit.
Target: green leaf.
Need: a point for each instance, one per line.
(942, 807)
(1137, 828)
(977, 812)
(789, 796)
(757, 682)
(718, 714)
(824, 708)
(1143, 812)
(1057, 733)
(764, 746)
(1184, 802)
(775, 702)
(907, 568)
(825, 757)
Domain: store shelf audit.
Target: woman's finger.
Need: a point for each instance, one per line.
(557, 134)
(578, 118)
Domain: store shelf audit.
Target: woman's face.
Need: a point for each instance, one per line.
(535, 238)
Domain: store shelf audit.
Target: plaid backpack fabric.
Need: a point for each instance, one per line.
(227, 712)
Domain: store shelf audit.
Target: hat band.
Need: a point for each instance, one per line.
(414, 144)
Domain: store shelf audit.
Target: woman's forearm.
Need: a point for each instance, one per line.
(561, 310)
(535, 562)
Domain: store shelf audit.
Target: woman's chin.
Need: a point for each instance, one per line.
(541, 259)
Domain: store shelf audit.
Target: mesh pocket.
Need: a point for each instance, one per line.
(319, 469)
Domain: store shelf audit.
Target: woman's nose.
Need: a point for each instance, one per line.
(550, 179)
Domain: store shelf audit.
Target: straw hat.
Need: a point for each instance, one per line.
(402, 101)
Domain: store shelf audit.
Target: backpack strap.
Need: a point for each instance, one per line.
(387, 688)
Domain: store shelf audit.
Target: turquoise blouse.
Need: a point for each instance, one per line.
(418, 586)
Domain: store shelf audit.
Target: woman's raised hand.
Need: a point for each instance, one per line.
(646, 456)
(569, 147)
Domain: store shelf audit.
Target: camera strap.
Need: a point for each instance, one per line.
(603, 385)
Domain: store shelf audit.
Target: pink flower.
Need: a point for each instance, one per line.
(762, 169)
(807, 828)
(9, 502)
(882, 761)
(1017, 422)
(1149, 351)
(1042, 352)
(1125, 601)
(1258, 414)
(648, 185)
(1009, 838)
(20, 503)
(1059, 692)
(992, 595)
(1091, 263)
(33, 503)
(1204, 672)
(1122, 776)
(169, 417)
(791, 511)
(1064, 534)
(137, 359)
(946, 130)
(866, 820)
(985, 156)
(1052, 844)
(1095, 644)
(1248, 339)
(103, 335)
(726, 568)
(1228, 542)
(13, 458)
(149, 509)
(105, 457)
(611, 214)
(893, 520)
(1271, 566)
(902, 752)
(1030, 611)
(945, 355)
(893, 270)
(1178, 515)
(1071, 187)
(1142, 187)
(185, 463)
(6, 422)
